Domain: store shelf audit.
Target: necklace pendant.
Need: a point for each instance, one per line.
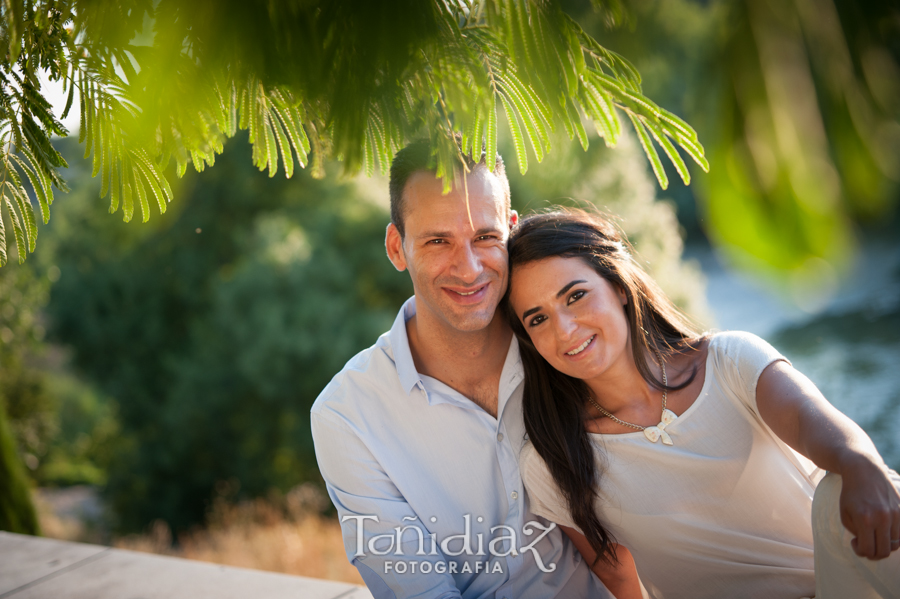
(668, 417)
(655, 433)
(652, 433)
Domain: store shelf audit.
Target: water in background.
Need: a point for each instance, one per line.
(851, 349)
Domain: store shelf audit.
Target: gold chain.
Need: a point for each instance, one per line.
(603, 411)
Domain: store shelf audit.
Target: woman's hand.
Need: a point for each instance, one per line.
(620, 579)
(870, 509)
(801, 417)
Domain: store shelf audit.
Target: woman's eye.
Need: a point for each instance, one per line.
(576, 296)
(536, 320)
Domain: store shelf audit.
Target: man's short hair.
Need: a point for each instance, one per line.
(417, 156)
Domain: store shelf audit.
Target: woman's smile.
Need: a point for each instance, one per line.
(577, 351)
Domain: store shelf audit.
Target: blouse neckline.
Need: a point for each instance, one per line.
(686, 414)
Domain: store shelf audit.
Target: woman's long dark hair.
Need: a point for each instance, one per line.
(554, 403)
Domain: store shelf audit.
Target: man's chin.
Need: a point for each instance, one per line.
(473, 321)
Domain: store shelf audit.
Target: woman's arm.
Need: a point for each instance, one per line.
(801, 416)
(621, 579)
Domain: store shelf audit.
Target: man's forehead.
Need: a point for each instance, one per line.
(424, 191)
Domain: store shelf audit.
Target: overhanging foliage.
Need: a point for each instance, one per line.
(171, 80)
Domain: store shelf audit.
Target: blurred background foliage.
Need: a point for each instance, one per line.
(215, 327)
(172, 364)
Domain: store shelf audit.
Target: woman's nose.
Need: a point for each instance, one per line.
(566, 325)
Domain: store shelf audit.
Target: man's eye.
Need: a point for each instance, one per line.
(486, 237)
(436, 241)
(576, 296)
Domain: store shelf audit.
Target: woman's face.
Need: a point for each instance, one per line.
(575, 318)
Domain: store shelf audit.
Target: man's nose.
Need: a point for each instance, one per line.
(467, 264)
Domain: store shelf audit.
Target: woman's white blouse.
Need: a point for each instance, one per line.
(724, 511)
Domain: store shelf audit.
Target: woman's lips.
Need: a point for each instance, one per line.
(577, 351)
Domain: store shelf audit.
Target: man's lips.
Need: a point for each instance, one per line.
(466, 296)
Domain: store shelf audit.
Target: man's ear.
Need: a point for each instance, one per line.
(513, 218)
(393, 244)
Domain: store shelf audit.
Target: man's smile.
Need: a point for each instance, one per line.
(467, 295)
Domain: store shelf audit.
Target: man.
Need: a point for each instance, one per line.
(418, 436)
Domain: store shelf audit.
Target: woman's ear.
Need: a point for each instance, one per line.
(622, 296)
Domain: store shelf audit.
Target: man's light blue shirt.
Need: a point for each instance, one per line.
(440, 474)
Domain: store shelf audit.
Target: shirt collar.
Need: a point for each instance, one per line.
(406, 368)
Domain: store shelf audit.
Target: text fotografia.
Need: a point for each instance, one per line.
(428, 545)
(441, 567)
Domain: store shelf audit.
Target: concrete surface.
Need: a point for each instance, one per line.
(39, 568)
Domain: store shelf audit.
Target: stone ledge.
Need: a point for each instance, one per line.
(39, 568)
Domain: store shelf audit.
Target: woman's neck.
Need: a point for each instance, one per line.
(622, 387)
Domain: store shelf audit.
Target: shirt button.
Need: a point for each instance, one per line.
(499, 436)
(514, 495)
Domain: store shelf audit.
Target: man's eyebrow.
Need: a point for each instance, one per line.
(486, 230)
(435, 234)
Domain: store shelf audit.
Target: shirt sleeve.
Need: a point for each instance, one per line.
(543, 494)
(742, 359)
(371, 508)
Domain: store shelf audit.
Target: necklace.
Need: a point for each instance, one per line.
(653, 433)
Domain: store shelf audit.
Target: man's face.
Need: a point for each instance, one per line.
(459, 273)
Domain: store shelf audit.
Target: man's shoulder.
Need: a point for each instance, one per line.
(369, 374)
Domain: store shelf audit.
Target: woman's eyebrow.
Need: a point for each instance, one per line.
(569, 286)
(531, 311)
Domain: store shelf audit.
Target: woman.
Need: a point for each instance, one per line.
(696, 455)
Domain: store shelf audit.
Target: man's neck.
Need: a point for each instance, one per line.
(470, 362)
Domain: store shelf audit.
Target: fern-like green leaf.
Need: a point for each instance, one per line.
(39, 184)
(672, 153)
(296, 135)
(141, 195)
(20, 196)
(650, 151)
(114, 188)
(513, 102)
(105, 159)
(516, 133)
(151, 181)
(271, 149)
(4, 258)
(18, 231)
(127, 199)
(369, 154)
(603, 115)
(490, 134)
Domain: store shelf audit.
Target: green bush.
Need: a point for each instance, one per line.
(215, 327)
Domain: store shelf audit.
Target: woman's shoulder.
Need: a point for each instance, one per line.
(545, 497)
(741, 346)
(534, 470)
(530, 461)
